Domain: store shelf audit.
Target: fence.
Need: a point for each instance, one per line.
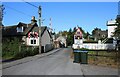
(95, 46)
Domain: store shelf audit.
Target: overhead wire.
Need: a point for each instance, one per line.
(17, 10)
(30, 4)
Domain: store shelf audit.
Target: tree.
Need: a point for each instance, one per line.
(117, 30)
(70, 31)
(64, 33)
(70, 37)
(1, 13)
(10, 46)
(87, 35)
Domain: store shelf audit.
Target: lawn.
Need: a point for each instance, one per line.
(103, 58)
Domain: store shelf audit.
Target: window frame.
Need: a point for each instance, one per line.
(20, 29)
(33, 42)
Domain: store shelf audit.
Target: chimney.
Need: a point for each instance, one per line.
(33, 19)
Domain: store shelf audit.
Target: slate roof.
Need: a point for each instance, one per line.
(9, 31)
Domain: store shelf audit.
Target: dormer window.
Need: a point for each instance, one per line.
(20, 29)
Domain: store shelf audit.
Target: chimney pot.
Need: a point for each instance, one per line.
(33, 19)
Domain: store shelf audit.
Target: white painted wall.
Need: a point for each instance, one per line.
(95, 46)
(111, 27)
(111, 22)
(28, 41)
(78, 41)
(111, 30)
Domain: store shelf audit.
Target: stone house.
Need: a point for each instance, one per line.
(99, 34)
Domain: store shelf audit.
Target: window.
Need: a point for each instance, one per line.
(103, 36)
(33, 41)
(78, 32)
(20, 29)
(78, 37)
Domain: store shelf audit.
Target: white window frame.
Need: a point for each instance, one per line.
(20, 29)
(34, 41)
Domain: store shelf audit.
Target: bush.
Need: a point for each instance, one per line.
(26, 51)
(9, 48)
(36, 51)
(12, 48)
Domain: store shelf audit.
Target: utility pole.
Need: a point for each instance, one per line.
(39, 12)
(50, 25)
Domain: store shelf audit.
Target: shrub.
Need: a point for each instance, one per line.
(9, 48)
(26, 51)
(12, 48)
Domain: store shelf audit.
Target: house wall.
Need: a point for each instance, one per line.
(62, 40)
(28, 41)
(78, 41)
(45, 39)
(100, 34)
(111, 29)
(24, 39)
(48, 47)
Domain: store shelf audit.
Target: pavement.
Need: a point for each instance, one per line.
(27, 59)
(57, 62)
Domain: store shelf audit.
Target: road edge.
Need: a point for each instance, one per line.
(27, 59)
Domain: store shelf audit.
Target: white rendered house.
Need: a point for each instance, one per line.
(111, 27)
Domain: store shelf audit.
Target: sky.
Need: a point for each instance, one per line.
(64, 15)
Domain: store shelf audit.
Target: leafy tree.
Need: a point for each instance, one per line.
(70, 37)
(70, 31)
(87, 35)
(1, 13)
(117, 30)
(64, 33)
(10, 47)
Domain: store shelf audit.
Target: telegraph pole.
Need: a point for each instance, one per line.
(39, 12)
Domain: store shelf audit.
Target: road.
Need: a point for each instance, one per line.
(58, 63)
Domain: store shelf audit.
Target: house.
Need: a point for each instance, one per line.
(28, 34)
(80, 43)
(60, 41)
(99, 34)
(78, 36)
(112, 24)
